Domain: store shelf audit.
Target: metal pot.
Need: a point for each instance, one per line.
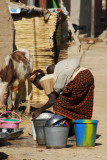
(53, 120)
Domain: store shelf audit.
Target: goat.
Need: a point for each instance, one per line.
(16, 69)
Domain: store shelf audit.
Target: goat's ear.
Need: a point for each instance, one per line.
(19, 56)
(9, 73)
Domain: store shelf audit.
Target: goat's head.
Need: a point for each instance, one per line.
(17, 68)
(23, 63)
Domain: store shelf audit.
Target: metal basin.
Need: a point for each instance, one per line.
(45, 115)
(3, 138)
(8, 130)
(16, 133)
(12, 133)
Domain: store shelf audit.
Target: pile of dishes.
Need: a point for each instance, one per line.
(56, 120)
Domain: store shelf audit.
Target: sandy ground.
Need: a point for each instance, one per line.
(25, 148)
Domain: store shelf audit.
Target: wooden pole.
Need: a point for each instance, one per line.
(76, 39)
(106, 9)
(92, 18)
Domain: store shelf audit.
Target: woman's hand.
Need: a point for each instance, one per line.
(36, 113)
(52, 98)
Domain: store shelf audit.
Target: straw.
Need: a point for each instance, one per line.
(33, 33)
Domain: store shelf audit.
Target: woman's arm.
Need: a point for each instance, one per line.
(37, 84)
(52, 98)
(35, 78)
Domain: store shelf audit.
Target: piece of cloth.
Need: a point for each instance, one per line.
(79, 69)
(63, 73)
(76, 100)
(47, 83)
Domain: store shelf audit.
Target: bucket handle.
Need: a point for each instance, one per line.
(11, 112)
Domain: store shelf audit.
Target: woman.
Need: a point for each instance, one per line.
(70, 90)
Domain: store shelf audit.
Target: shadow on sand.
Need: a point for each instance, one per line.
(3, 155)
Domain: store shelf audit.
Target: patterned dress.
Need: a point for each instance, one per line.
(76, 100)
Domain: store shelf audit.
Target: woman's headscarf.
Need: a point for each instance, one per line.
(63, 73)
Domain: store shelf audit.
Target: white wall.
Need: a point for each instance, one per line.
(75, 11)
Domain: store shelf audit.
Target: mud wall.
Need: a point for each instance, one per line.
(6, 31)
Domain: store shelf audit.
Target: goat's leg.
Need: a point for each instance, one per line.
(3, 108)
(18, 97)
(27, 111)
(9, 102)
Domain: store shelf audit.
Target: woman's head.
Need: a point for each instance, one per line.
(50, 69)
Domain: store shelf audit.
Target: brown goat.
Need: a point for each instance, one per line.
(16, 70)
